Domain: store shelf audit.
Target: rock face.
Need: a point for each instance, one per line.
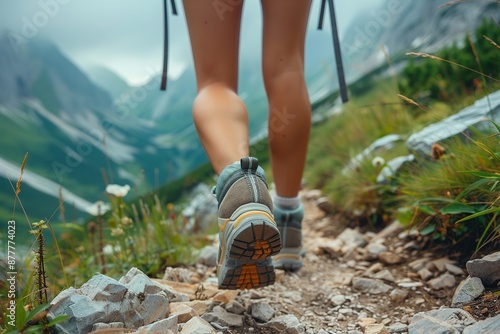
(134, 301)
(476, 115)
(488, 326)
(288, 324)
(468, 290)
(385, 142)
(487, 269)
(448, 320)
(393, 166)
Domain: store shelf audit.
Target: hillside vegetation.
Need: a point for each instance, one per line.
(454, 198)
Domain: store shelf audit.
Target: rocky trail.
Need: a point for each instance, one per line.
(351, 282)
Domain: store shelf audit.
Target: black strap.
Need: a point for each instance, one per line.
(163, 85)
(336, 46)
(335, 37)
(174, 8)
(249, 164)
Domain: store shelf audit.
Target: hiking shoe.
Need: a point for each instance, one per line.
(290, 227)
(248, 235)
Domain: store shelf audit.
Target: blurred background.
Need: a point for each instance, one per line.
(79, 87)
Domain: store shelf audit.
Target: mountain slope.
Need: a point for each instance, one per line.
(421, 26)
(76, 137)
(108, 81)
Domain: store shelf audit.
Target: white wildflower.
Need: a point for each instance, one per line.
(378, 162)
(99, 208)
(127, 221)
(110, 250)
(117, 190)
(357, 212)
(116, 232)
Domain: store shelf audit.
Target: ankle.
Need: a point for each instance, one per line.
(286, 203)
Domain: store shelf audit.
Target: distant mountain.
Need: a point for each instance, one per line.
(77, 138)
(108, 81)
(403, 26)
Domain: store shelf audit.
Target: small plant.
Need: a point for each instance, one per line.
(41, 277)
(147, 234)
(31, 305)
(456, 197)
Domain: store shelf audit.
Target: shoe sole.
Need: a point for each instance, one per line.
(253, 239)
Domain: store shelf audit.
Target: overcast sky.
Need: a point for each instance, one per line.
(126, 35)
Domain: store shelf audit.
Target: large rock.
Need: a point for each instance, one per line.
(183, 312)
(386, 142)
(165, 326)
(135, 301)
(371, 286)
(442, 282)
(487, 268)
(262, 312)
(286, 324)
(468, 290)
(197, 326)
(477, 115)
(235, 307)
(83, 313)
(139, 282)
(442, 321)
(392, 167)
(223, 318)
(488, 326)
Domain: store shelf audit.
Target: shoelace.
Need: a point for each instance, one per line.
(335, 37)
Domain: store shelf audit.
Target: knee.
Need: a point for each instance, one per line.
(215, 96)
(282, 72)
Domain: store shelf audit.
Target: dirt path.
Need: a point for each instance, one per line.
(351, 282)
(321, 294)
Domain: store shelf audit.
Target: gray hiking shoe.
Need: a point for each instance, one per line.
(290, 226)
(248, 235)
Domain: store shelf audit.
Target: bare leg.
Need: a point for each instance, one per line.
(219, 114)
(285, 23)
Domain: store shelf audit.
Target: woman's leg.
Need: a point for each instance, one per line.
(285, 23)
(247, 232)
(219, 114)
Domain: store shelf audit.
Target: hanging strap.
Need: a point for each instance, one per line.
(163, 85)
(336, 46)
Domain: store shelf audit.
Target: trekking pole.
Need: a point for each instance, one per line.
(336, 46)
(163, 85)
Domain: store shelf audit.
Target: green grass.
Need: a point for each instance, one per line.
(377, 109)
(456, 198)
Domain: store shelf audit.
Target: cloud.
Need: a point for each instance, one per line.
(127, 35)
